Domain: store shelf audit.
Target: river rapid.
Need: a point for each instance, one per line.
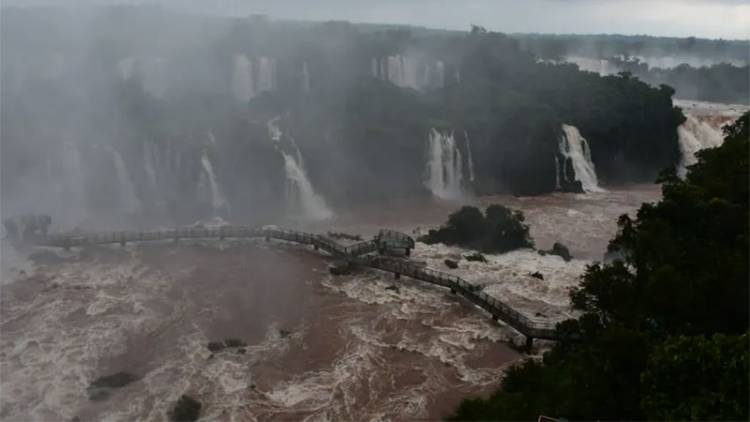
(319, 347)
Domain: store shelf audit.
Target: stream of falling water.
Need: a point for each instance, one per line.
(302, 200)
(445, 169)
(128, 199)
(575, 148)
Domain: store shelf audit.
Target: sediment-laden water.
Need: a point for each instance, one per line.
(359, 347)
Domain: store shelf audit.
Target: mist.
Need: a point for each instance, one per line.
(131, 115)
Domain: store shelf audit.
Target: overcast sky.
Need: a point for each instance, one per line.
(702, 18)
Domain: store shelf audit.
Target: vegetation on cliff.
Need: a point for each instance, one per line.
(663, 330)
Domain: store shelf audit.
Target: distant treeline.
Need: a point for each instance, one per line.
(698, 69)
(556, 47)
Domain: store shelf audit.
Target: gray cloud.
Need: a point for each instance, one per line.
(703, 18)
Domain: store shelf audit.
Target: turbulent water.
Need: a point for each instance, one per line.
(703, 128)
(362, 347)
(575, 148)
(445, 165)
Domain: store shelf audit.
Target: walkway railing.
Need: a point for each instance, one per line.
(358, 253)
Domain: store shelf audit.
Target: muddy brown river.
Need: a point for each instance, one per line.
(318, 347)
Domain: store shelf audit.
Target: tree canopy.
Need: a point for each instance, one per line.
(663, 330)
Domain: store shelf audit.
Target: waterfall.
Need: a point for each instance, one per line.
(305, 78)
(155, 78)
(128, 199)
(470, 158)
(148, 166)
(243, 87)
(300, 191)
(125, 67)
(444, 166)
(266, 74)
(301, 196)
(209, 180)
(73, 194)
(575, 148)
(408, 72)
(695, 135)
(439, 78)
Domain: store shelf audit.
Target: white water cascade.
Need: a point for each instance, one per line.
(73, 194)
(444, 166)
(148, 166)
(266, 74)
(208, 180)
(574, 147)
(409, 71)
(128, 199)
(155, 76)
(301, 196)
(470, 157)
(305, 78)
(243, 85)
(695, 135)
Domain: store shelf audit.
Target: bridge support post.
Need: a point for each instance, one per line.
(408, 252)
(396, 276)
(315, 246)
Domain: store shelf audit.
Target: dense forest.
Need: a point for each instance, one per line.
(698, 69)
(663, 331)
(356, 104)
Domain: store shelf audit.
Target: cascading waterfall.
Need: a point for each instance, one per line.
(73, 194)
(128, 199)
(695, 135)
(209, 180)
(470, 157)
(408, 71)
(266, 74)
(155, 77)
(305, 78)
(301, 196)
(575, 148)
(243, 85)
(148, 166)
(444, 166)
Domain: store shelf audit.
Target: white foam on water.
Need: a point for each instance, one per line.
(507, 277)
(693, 136)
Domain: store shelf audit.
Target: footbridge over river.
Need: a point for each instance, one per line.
(371, 253)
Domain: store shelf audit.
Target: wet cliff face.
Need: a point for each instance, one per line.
(178, 129)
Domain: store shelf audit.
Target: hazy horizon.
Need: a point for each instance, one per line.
(726, 19)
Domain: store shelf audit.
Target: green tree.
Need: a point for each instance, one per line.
(662, 333)
(697, 378)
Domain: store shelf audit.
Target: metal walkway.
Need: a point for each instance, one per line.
(359, 253)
